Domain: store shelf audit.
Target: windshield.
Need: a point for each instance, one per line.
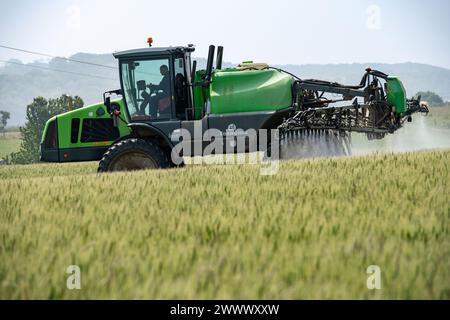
(147, 89)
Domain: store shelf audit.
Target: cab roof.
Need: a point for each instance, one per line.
(151, 51)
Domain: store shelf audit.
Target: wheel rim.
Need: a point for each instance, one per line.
(132, 161)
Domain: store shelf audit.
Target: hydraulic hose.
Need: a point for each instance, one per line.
(361, 85)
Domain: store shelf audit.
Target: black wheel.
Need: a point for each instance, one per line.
(133, 154)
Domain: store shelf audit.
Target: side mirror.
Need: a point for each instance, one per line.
(107, 104)
(115, 113)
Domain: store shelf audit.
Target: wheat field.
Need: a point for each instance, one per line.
(225, 231)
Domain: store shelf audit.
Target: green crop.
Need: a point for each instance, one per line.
(309, 231)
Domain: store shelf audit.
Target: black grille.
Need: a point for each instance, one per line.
(96, 130)
(74, 130)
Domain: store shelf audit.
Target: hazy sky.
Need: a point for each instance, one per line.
(277, 32)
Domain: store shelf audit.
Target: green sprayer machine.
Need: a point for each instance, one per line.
(166, 110)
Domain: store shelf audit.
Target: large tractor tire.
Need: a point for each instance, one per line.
(133, 154)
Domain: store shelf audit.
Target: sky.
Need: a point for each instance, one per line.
(276, 32)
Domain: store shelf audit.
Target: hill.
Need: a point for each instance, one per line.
(19, 83)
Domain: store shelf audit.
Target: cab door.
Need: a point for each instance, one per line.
(148, 90)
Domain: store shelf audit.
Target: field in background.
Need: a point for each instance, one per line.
(309, 231)
(9, 142)
(440, 116)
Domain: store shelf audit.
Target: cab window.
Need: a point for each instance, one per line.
(147, 88)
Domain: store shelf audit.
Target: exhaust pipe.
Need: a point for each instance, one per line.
(193, 71)
(219, 58)
(209, 65)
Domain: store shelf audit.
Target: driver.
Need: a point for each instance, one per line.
(162, 90)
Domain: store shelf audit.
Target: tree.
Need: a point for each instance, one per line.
(432, 98)
(38, 112)
(4, 117)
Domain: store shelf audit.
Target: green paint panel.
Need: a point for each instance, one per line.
(236, 90)
(199, 96)
(396, 94)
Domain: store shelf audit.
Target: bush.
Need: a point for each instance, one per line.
(38, 112)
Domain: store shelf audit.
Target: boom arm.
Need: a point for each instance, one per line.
(384, 108)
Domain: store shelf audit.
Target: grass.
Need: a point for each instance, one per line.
(9, 142)
(309, 231)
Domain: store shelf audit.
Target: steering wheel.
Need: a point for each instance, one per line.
(152, 86)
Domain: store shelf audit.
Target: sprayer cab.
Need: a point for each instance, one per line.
(156, 82)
